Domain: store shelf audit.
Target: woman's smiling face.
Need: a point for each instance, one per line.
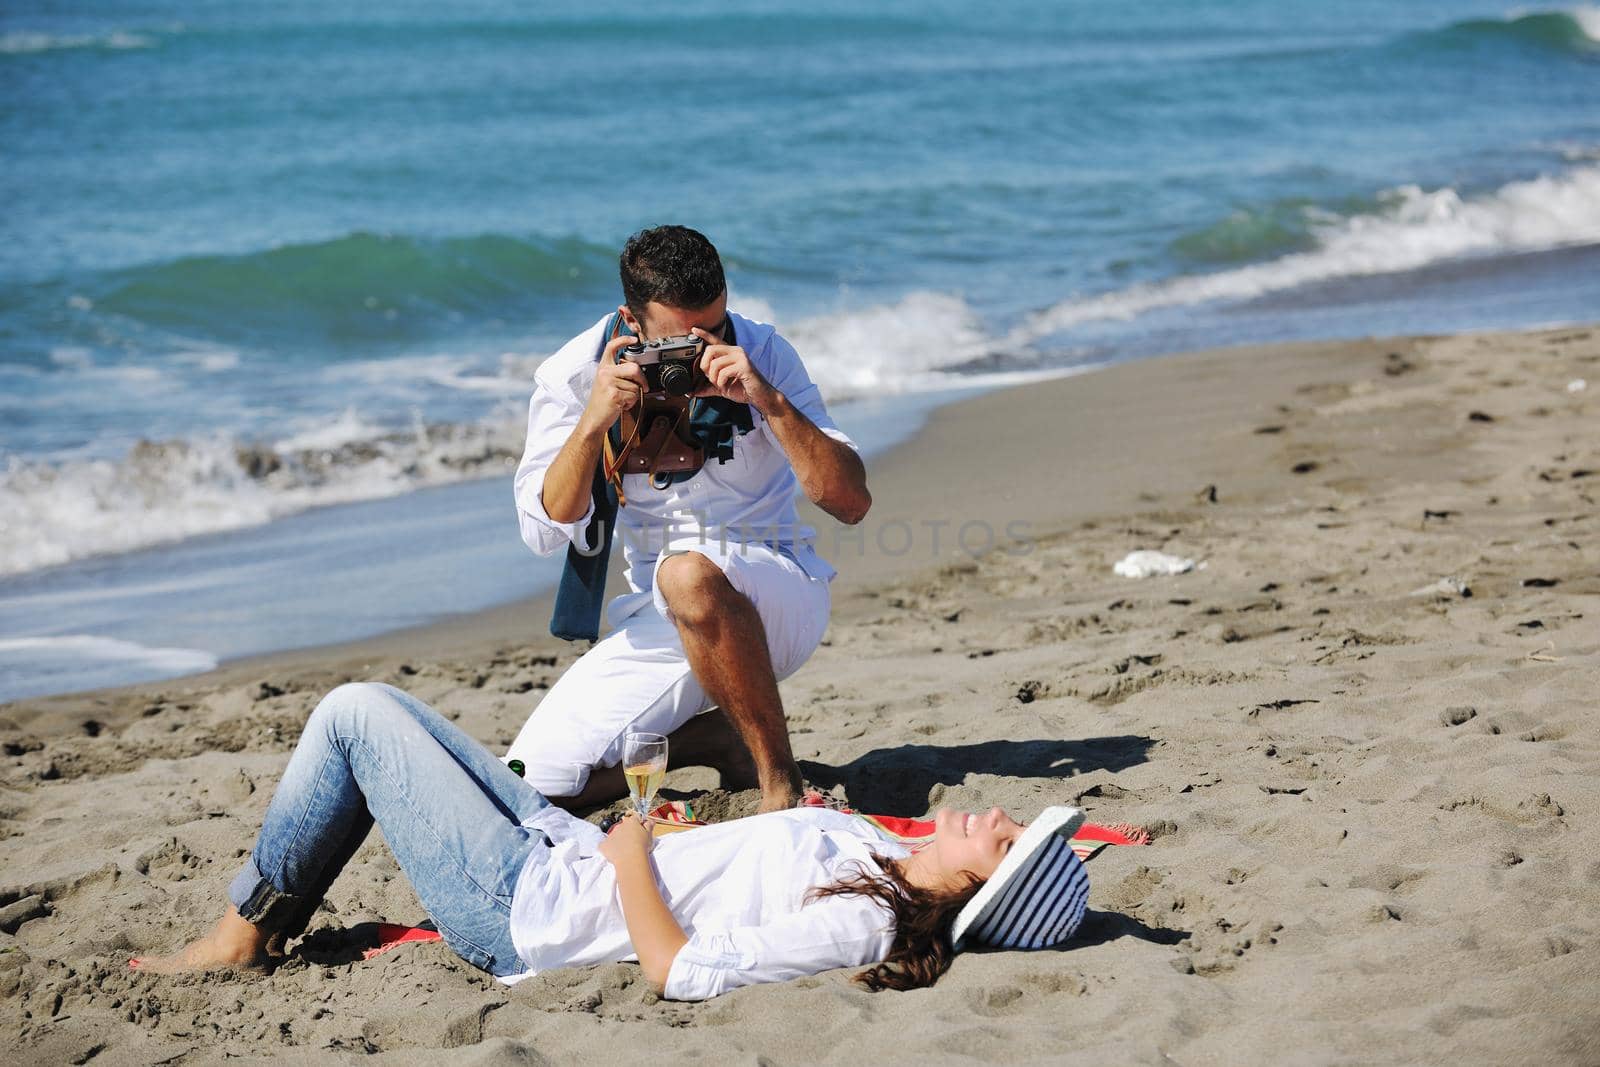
(969, 844)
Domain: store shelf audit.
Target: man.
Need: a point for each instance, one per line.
(727, 596)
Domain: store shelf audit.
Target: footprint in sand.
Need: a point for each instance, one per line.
(169, 860)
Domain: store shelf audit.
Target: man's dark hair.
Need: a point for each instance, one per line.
(672, 265)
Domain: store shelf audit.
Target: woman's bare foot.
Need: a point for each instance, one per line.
(233, 944)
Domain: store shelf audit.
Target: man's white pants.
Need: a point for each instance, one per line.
(638, 678)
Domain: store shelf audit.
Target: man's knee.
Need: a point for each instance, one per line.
(696, 590)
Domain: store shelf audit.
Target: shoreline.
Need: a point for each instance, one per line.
(958, 426)
(901, 426)
(1371, 793)
(341, 574)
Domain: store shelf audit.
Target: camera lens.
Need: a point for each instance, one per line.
(676, 380)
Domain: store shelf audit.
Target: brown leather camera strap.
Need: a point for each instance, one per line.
(614, 457)
(655, 439)
(663, 444)
(613, 471)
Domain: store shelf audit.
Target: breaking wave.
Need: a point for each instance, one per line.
(55, 510)
(1410, 229)
(164, 491)
(1574, 31)
(359, 286)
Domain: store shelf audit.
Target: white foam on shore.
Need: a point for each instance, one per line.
(513, 376)
(78, 648)
(924, 342)
(899, 347)
(33, 665)
(324, 434)
(60, 509)
(1414, 229)
(161, 492)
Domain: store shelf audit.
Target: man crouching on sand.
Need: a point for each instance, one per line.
(727, 596)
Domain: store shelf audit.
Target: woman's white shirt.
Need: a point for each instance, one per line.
(738, 890)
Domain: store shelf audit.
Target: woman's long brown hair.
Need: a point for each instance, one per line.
(921, 950)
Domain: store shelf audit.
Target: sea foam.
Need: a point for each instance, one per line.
(79, 647)
(30, 666)
(160, 492)
(55, 510)
(1414, 228)
(904, 346)
(1588, 17)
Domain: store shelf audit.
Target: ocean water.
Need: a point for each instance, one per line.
(259, 260)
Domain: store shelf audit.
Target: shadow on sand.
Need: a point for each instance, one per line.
(332, 945)
(897, 781)
(1099, 927)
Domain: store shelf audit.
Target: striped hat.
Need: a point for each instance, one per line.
(1036, 896)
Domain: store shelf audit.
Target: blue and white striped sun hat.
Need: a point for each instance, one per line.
(1037, 896)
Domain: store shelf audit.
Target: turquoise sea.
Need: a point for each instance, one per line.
(274, 278)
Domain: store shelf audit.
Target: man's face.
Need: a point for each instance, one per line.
(661, 320)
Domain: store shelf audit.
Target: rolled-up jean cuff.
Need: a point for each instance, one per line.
(265, 905)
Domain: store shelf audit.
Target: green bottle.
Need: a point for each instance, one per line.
(518, 768)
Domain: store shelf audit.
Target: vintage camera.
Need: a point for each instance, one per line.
(671, 365)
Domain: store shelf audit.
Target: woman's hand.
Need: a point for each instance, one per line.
(655, 934)
(628, 840)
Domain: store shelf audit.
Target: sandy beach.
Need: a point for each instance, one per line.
(1362, 736)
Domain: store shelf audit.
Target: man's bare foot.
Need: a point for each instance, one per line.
(777, 802)
(780, 792)
(233, 944)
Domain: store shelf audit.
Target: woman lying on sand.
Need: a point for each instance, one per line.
(517, 885)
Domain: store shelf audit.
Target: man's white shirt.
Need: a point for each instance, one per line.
(748, 499)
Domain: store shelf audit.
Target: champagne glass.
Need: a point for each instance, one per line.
(644, 765)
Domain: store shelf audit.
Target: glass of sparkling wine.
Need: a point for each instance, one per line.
(644, 764)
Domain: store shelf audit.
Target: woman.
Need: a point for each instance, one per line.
(516, 885)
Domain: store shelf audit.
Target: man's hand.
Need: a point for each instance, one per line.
(730, 374)
(829, 471)
(628, 840)
(618, 385)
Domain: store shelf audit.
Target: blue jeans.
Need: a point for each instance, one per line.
(450, 811)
